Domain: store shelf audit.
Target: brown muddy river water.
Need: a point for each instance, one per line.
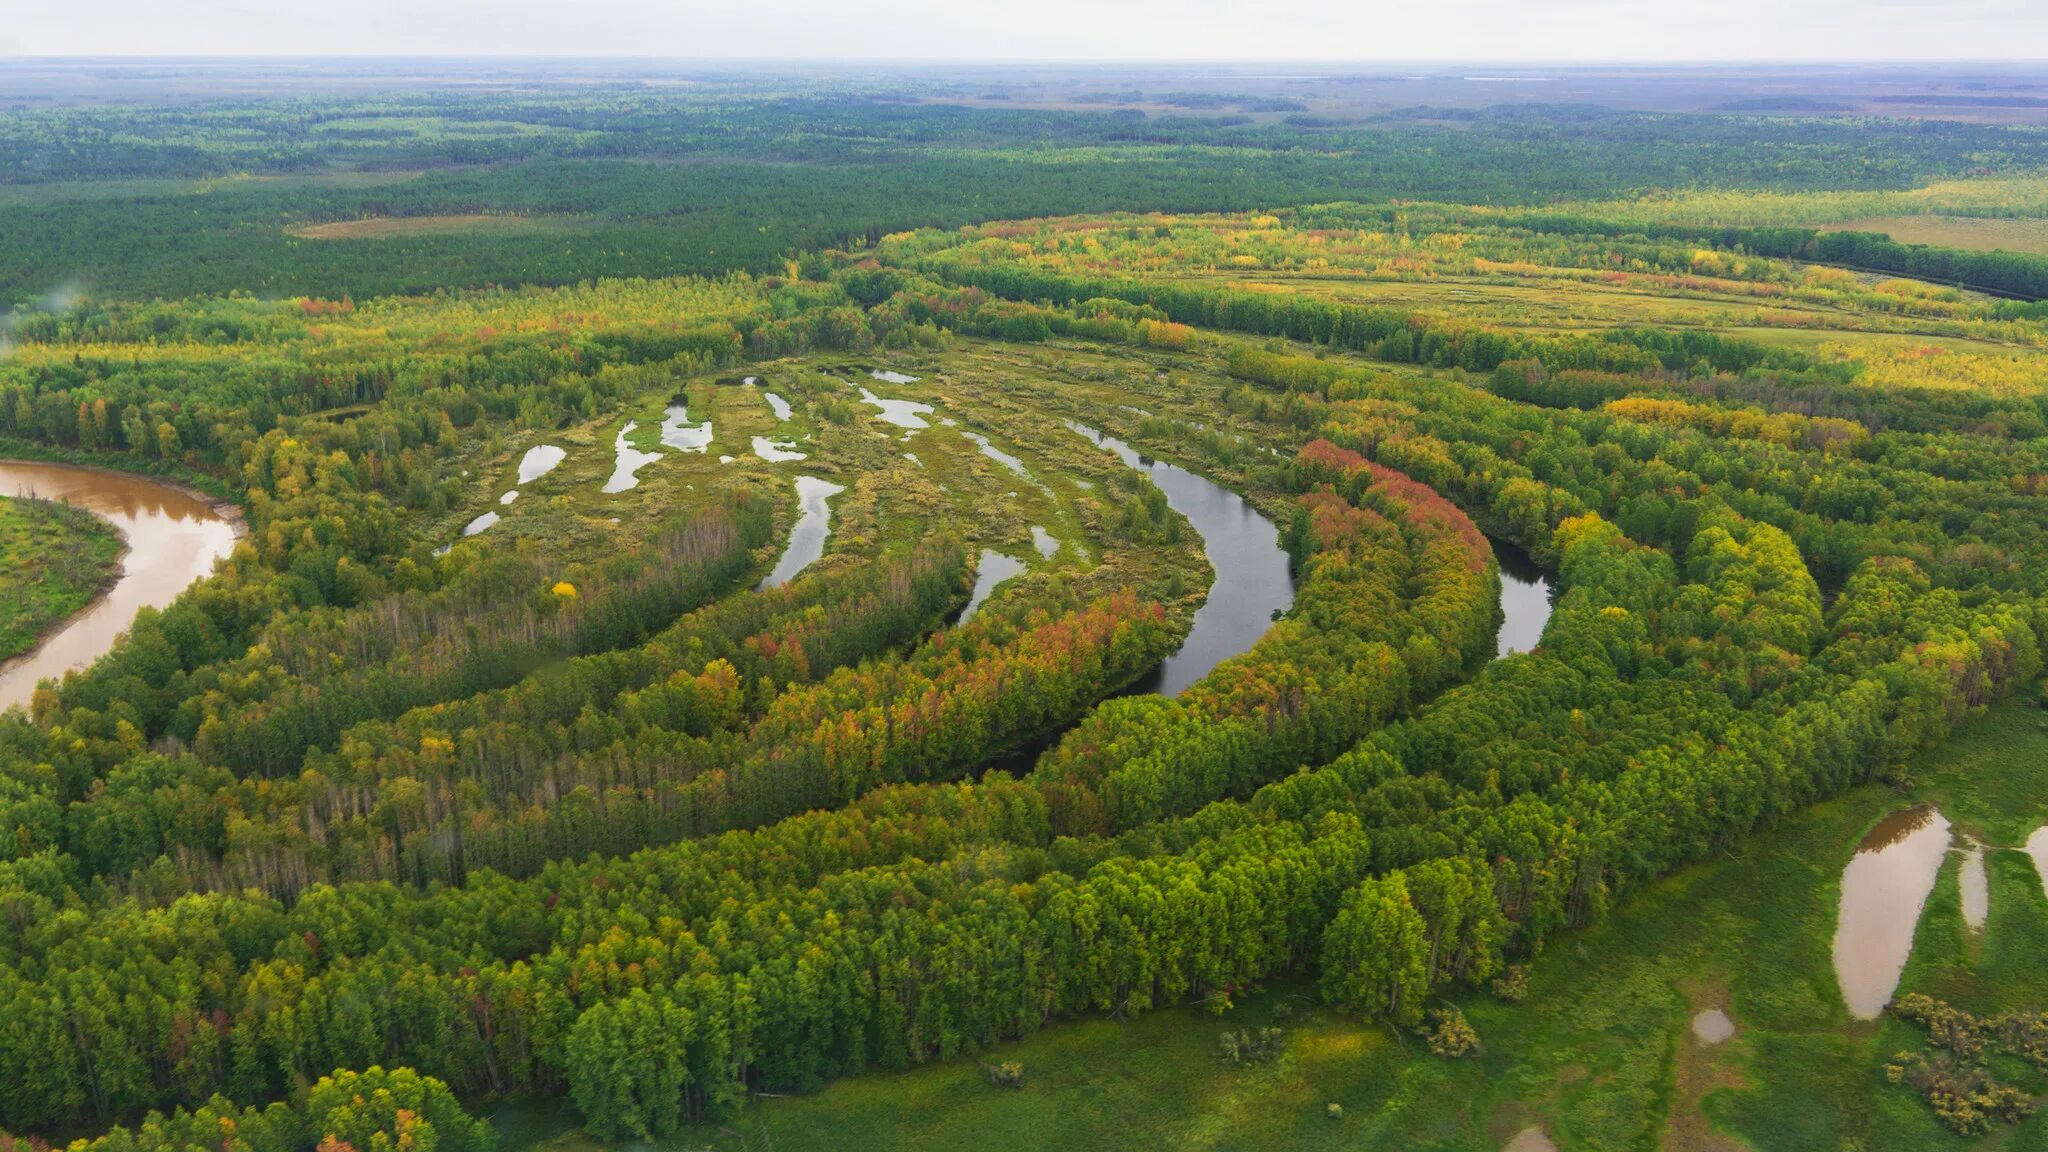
(1883, 889)
(174, 538)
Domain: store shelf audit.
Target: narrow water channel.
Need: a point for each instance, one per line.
(807, 536)
(174, 538)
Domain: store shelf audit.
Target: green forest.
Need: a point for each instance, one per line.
(782, 619)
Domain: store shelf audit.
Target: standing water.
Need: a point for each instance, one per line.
(1883, 889)
(902, 413)
(807, 536)
(628, 461)
(678, 433)
(2037, 847)
(776, 451)
(539, 461)
(174, 538)
(993, 569)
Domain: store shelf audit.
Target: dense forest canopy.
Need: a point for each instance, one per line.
(559, 186)
(462, 782)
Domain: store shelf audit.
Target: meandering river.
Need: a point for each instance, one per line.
(174, 538)
(1253, 582)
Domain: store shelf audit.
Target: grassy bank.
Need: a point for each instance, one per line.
(53, 560)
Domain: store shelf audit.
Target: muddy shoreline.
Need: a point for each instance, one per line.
(165, 539)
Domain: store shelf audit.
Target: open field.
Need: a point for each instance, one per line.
(1979, 232)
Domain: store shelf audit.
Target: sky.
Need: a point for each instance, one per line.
(1549, 30)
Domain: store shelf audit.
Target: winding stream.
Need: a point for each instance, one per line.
(174, 538)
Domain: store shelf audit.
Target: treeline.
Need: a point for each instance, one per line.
(2021, 275)
(315, 674)
(368, 1111)
(352, 960)
(1693, 682)
(513, 777)
(1788, 406)
(1381, 333)
(922, 924)
(1398, 597)
(764, 178)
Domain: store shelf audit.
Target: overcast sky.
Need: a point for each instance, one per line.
(1042, 29)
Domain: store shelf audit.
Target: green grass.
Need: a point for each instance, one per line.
(1982, 233)
(1600, 1054)
(53, 560)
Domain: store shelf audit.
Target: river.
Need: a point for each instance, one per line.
(174, 538)
(1253, 582)
(1525, 599)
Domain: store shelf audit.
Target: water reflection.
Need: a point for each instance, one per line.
(1525, 599)
(996, 454)
(776, 451)
(480, 523)
(539, 461)
(630, 460)
(888, 377)
(1253, 582)
(1884, 887)
(1048, 545)
(901, 413)
(678, 433)
(1713, 1026)
(807, 536)
(780, 406)
(173, 539)
(993, 569)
